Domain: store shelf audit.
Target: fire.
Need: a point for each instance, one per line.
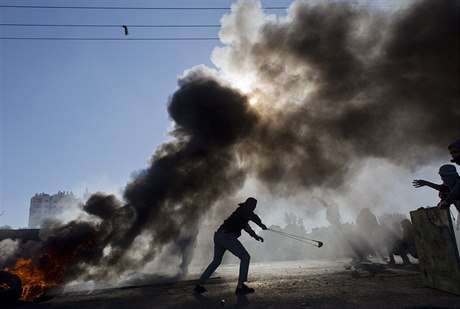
(33, 279)
(47, 269)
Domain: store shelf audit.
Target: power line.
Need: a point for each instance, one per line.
(112, 39)
(125, 8)
(108, 26)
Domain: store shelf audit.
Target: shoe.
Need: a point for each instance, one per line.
(406, 261)
(391, 261)
(244, 290)
(199, 289)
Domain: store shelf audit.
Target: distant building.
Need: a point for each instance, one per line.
(45, 206)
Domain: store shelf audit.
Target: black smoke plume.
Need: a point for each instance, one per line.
(378, 87)
(336, 83)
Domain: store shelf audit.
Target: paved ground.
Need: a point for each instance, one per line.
(302, 284)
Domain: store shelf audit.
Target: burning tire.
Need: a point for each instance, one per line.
(10, 288)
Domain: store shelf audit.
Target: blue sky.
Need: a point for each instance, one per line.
(86, 114)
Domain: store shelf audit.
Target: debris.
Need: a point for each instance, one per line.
(10, 288)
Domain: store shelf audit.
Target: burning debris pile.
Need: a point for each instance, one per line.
(325, 86)
(29, 281)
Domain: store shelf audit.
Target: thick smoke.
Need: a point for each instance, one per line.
(338, 83)
(164, 204)
(334, 83)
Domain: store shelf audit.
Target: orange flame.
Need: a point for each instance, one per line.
(33, 279)
(46, 270)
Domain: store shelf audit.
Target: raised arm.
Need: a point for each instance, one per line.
(420, 183)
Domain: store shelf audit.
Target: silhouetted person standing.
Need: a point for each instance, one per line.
(454, 195)
(226, 238)
(449, 177)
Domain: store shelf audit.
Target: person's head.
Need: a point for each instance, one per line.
(454, 150)
(250, 203)
(449, 175)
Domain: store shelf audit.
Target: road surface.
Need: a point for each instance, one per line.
(298, 284)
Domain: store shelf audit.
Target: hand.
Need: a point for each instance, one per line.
(259, 239)
(264, 227)
(419, 183)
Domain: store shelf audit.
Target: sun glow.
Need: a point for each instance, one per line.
(246, 85)
(243, 83)
(253, 100)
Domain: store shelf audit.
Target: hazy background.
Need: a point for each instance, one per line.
(345, 101)
(87, 115)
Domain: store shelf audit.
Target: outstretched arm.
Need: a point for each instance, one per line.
(420, 183)
(323, 202)
(251, 232)
(255, 218)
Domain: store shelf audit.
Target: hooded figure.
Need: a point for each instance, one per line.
(449, 175)
(449, 190)
(453, 197)
(450, 179)
(226, 238)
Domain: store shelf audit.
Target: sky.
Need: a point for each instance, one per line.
(88, 114)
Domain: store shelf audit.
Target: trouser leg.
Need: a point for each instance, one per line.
(218, 254)
(235, 247)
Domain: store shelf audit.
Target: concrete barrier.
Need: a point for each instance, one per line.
(437, 249)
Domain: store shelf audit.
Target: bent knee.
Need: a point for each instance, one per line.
(245, 257)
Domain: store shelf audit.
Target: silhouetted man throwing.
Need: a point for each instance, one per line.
(226, 238)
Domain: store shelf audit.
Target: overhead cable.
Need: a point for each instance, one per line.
(125, 8)
(112, 39)
(107, 26)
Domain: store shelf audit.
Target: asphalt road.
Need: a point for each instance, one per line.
(300, 284)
